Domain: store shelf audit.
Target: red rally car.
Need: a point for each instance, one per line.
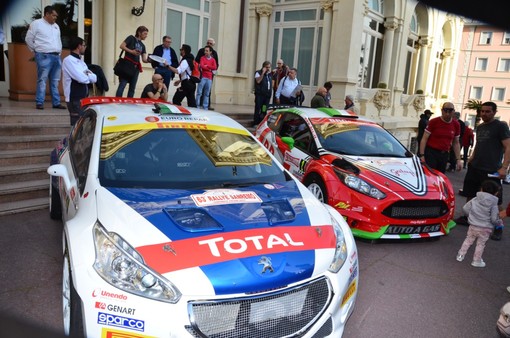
(361, 169)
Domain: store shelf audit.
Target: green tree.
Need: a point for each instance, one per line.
(476, 105)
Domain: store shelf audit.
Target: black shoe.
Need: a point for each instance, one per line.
(211, 108)
(462, 220)
(497, 234)
(39, 106)
(59, 107)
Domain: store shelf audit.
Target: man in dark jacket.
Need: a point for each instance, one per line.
(263, 90)
(168, 53)
(424, 120)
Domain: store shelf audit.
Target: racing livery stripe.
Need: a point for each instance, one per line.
(177, 125)
(222, 247)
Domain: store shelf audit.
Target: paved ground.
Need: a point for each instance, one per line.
(406, 289)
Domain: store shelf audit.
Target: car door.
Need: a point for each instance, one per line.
(80, 146)
(299, 152)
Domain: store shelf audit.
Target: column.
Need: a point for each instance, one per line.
(390, 26)
(327, 6)
(264, 12)
(445, 74)
(110, 50)
(420, 84)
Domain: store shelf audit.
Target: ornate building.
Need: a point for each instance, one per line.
(396, 57)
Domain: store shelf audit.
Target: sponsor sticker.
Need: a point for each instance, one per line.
(119, 321)
(349, 293)
(115, 308)
(226, 196)
(112, 333)
(108, 295)
(223, 247)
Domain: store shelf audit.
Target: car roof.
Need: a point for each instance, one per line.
(312, 113)
(119, 112)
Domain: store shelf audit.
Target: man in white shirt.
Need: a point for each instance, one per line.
(76, 78)
(288, 89)
(43, 38)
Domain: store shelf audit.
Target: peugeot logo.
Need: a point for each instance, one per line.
(266, 264)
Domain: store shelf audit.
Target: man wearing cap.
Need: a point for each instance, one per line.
(349, 104)
(441, 133)
(424, 121)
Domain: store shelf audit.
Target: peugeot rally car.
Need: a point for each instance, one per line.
(179, 223)
(358, 167)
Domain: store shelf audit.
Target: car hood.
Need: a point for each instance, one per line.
(242, 240)
(397, 174)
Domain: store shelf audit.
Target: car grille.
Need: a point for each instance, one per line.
(412, 209)
(288, 313)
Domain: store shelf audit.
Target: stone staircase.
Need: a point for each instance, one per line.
(27, 137)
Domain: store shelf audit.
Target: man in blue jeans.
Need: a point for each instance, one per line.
(43, 38)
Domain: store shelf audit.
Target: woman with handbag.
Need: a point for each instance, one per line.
(135, 52)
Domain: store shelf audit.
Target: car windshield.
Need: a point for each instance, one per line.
(358, 138)
(184, 159)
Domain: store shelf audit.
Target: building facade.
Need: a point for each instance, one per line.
(483, 71)
(396, 57)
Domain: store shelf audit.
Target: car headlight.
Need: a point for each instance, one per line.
(121, 265)
(341, 247)
(360, 185)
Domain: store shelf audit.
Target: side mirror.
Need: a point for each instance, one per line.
(288, 141)
(60, 170)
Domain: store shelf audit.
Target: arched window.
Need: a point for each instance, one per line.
(371, 45)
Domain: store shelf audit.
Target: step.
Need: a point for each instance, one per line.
(25, 156)
(10, 208)
(30, 141)
(21, 173)
(24, 190)
(34, 117)
(28, 129)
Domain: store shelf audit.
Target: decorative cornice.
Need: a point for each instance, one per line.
(264, 10)
(391, 25)
(327, 5)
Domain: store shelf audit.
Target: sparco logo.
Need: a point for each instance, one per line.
(106, 294)
(118, 321)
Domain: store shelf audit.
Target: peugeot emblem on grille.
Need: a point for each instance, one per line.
(266, 264)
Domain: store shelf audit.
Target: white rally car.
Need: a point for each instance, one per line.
(178, 223)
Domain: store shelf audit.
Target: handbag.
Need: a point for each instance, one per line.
(124, 68)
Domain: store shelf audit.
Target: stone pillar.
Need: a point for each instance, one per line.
(420, 83)
(327, 6)
(390, 26)
(445, 74)
(110, 49)
(264, 12)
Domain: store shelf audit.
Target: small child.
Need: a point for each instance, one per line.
(483, 216)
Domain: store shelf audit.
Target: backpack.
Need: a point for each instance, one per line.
(196, 72)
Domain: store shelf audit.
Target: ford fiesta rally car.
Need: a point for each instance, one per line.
(179, 223)
(358, 167)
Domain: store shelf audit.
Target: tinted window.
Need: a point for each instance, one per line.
(359, 139)
(184, 159)
(80, 142)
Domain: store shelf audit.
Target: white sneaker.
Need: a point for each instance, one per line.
(478, 264)
(460, 258)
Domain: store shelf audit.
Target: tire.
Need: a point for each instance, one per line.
(318, 189)
(71, 302)
(55, 203)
